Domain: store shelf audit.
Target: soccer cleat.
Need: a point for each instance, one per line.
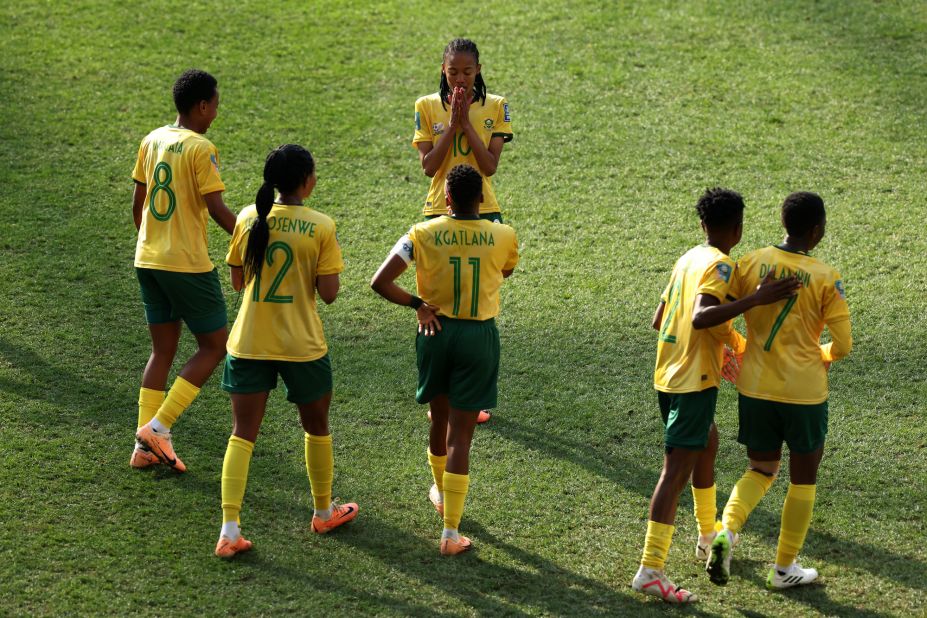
(719, 559)
(226, 548)
(450, 547)
(656, 583)
(160, 445)
(341, 514)
(142, 457)
(795, 575)
(482, 417)
(703, 544)
(435, 496)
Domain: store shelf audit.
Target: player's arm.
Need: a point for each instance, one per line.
(384, 284)
(507, 273)
(219, 211)
(238, 277)
(658, 316)
(327, 286)
(486, 158)
(710, 312)
(431, 155)
(841, 341)
(138, 203)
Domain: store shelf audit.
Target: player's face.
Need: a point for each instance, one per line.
(460, 69)
(210, 109)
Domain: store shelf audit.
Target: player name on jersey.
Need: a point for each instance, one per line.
(286, 224)
(784, 273)
(463, 237)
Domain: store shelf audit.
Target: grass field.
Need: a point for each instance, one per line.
(622, 115)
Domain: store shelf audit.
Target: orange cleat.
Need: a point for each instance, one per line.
(450, 547)
(226, 548)
(435, 496)
(142, 457)
(341, 514)
(160, 446)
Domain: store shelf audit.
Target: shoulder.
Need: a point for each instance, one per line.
(199, 141)
(321, 219)
(429, 100)
(248, 212)
(495, 100)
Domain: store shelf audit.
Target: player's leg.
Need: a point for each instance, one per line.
(456, 481)
(688, 419)
(805, 435)
(437, 449)
(704, 495)
(309, 386)
(761, 432)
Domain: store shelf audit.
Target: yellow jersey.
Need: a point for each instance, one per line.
(689, 360)
(278, 318)
(178, 167)
(490, 119)
(783, 361)
(459, 264)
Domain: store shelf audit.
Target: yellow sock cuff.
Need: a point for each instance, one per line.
(235, 477)
(149, 400)
(746, 494)
(801, 492)
(705, 504)
(320, 467)
(656, 544)
(758, 477)
(455, 494)
(178, 399)
(437, 464)
(459, 483)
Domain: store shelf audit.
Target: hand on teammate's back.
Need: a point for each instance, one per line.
(771, 290)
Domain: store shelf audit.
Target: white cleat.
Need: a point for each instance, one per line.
(656, 583)
(795, 575)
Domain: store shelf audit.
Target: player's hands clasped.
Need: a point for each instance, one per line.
(460, 109)
(428, 323)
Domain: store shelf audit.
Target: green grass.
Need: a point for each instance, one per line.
(622, 115)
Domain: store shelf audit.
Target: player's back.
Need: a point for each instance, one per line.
(459, 264)
(689, 360)
(178, 167)
(783, 358)
(278, 318)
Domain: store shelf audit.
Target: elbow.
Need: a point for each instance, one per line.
(842, 349)
(376, 285)
(328, 298)
(699, 322)
(428, 171)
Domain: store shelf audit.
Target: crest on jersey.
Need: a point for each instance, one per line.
(488, 124)
(505, 111)
(418, 121)
(838, 285)
(437, 128)
(215, 162)
(724, 272)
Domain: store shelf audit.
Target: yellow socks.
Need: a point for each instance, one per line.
(747, 493)
(320, 466)
(657, 544)
(178, 399)
(148, 403)
(796, 519)
(455, 493)
(235, 477)
(437, 463)
(706, 508)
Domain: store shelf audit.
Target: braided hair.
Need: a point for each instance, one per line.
(285, 170)
(479, 86)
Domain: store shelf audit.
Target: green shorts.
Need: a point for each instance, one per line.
(495, 217)
(305, 382)
(687, 417)
(765, 425)
(195, 298)
(461, 361)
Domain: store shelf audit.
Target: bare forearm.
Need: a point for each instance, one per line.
(138, 204)
(707, 317)
(433, 160)
(392, 292)
(486, 160)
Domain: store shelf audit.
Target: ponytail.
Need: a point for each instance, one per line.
(260, 232)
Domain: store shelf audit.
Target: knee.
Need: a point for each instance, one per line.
(769, 468)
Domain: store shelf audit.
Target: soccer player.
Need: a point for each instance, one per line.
(687, 376)
(783, 386)
(177, 185)
(281, 253)
(461, 123)
(461, 261)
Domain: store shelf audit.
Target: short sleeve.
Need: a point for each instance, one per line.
(834, 299)
(716, 280)
(735, 290)
(512, 259)
(330, 262)
(234, 255)
(503, 126)
(206, 166)
(422, 123)
(138, 172)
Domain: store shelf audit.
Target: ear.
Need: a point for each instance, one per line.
(479, 67)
